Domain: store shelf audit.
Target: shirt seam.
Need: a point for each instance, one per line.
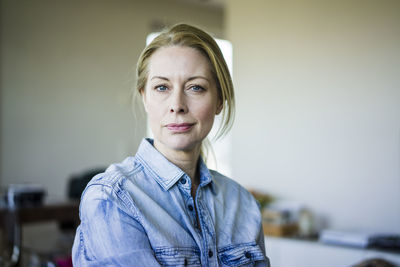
(165, 185)
(114, 185)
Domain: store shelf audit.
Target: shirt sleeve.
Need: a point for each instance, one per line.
(108, 235)
(260, 242)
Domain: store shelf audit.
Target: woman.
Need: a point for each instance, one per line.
(164, 207)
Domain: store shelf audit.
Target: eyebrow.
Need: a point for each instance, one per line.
(159, 77)
(189, 79)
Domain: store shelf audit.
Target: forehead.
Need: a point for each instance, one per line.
(175, 60)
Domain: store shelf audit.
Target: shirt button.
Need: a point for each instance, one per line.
(190, 207)
(183, 181)
(247, 255)
(210, 253)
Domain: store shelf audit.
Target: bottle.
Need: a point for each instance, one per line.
(306, 222)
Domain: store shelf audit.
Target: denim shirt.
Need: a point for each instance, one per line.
(140, 213)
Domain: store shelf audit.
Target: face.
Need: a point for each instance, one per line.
(180, 98)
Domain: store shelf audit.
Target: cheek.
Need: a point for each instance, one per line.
(206, 114)
(153, 113)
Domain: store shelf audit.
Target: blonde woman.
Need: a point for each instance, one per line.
(164, 207)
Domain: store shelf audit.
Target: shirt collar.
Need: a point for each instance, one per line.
(165, 172)
(205, 175)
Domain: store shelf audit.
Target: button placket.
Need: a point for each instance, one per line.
(207, 230)
(191, 211)
(184, 185)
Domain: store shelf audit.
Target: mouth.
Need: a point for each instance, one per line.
(179, 127)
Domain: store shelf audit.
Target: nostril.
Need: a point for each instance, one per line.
(177, 108)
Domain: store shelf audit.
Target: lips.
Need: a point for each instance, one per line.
(179, 127)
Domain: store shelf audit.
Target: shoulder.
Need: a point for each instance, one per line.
(108, 187)
(227, 183)
(116, 173)
(230, 188)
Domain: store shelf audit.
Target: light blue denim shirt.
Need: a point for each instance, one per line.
(140, 213)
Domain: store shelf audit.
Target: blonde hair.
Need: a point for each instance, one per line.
(190, 36)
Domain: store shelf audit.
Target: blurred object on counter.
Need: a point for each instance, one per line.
(361, 239)
(14, 198)
(275, 216)
(262, 198)
(385, 241)
(344, 238)
(374, 263)
(278, 223)
(306, 223)
(280, 230)
(22, 195)
(280, 218)
(285, 218)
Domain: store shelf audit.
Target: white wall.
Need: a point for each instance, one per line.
(318, 106)
(67, 68)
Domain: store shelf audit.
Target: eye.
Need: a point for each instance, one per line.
(161, 88)
(197, 88)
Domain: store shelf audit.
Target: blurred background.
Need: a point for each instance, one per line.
(317, 85)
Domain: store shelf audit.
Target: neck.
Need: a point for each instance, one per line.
(186, 160)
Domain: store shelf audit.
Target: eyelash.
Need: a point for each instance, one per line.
(158, 87)
(197, 88)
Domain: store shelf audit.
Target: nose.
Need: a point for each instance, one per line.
(178, 103)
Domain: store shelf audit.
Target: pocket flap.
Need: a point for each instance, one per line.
(178, 256)
(238, 255)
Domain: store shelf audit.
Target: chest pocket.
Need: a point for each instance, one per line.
(240, 255)
(178, 256)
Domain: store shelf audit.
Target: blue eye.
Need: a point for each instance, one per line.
(197, 88)
(161, 88)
